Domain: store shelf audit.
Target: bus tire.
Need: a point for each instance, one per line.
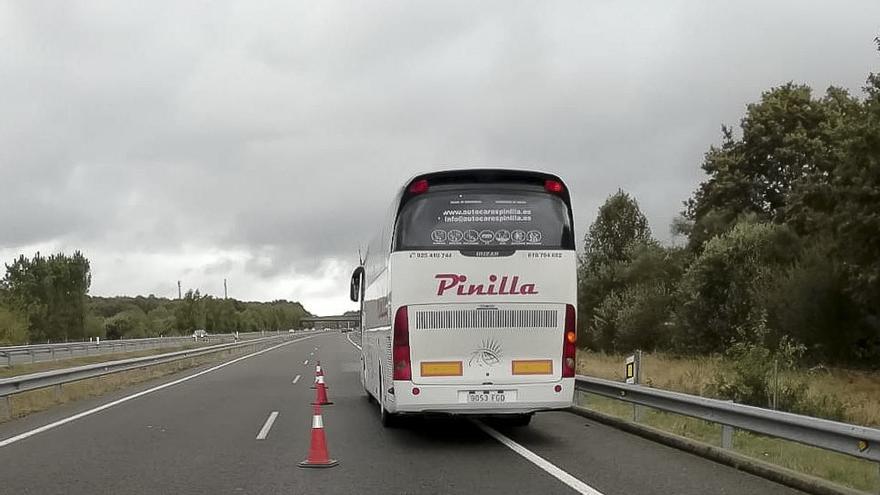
(367, 393)
(387, 419)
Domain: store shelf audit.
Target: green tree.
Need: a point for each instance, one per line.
(789, 138)
(190, 313)
(619, 225)
(52, 293)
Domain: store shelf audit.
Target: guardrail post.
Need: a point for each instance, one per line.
(33, 356)
(727, 434)
(637, 409)
(9, 360)
(5, 408)
(726, 437)
(53, 354)
(58, 392)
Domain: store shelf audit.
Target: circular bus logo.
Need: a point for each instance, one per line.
(518, 236)
(455, 236)
(487, 236)
(438, 236)
(502, 236)
(471, 237)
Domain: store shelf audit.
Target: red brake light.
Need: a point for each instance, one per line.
(419, 187)
(400, 346)
(553, 186)
(569, 340)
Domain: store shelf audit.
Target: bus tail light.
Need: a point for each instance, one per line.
(418, 187)
(553, 186)
(569, 343)
(400, 346)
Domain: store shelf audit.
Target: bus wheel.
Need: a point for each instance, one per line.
(387, 419)
(367, 393)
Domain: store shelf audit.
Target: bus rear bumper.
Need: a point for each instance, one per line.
(453, 399)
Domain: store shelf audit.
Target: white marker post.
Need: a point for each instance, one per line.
(633, 377)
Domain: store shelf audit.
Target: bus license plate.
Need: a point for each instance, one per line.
(486, 397)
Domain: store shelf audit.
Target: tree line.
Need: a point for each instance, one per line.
(782, 250)
(45, 299)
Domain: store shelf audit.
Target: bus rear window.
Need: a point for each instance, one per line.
(466, 219)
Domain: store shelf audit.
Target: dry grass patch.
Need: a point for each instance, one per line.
(858, 390)
(38, 400)
(28, 368)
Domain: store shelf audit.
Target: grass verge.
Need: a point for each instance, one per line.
(838, 468)
(28, 368)
(38, 400)
(858, 390)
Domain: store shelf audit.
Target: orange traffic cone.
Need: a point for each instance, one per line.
(319, 457)
(321, 393)
(318, 372)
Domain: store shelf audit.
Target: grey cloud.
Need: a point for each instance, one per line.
(281, 129)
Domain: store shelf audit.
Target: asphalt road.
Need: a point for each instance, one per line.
(200, 436)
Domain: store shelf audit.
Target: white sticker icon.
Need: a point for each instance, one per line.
(455, 236)
(471, 237)
(535, 236)
(518, 236)
(502, 236)
(487, 236)
(438, 236)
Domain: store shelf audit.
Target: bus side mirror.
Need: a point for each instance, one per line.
(356, 277)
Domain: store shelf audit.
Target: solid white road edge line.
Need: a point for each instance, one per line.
(539, 461)
(295, 379)
(264, 431)
(89, 412)
(348, 337)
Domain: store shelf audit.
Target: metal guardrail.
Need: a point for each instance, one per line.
(857, 441)
(34, 381)
(67, 349)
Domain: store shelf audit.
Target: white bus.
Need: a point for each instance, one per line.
(468, 297)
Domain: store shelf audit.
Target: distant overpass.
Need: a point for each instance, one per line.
(341, 321)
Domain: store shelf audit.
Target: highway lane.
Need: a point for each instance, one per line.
(200, 436)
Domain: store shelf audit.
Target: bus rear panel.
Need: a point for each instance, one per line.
(479, 297)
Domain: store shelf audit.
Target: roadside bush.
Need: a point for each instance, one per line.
(129, 324)
(723, 292)
(13, 326)
(635, 318)
(808, 302)
(94, 326)
(638, 298)
(756, 375)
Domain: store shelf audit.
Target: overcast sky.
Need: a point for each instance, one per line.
(260, 141)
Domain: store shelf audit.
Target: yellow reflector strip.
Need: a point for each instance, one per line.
(532, 367)
(441, 368)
